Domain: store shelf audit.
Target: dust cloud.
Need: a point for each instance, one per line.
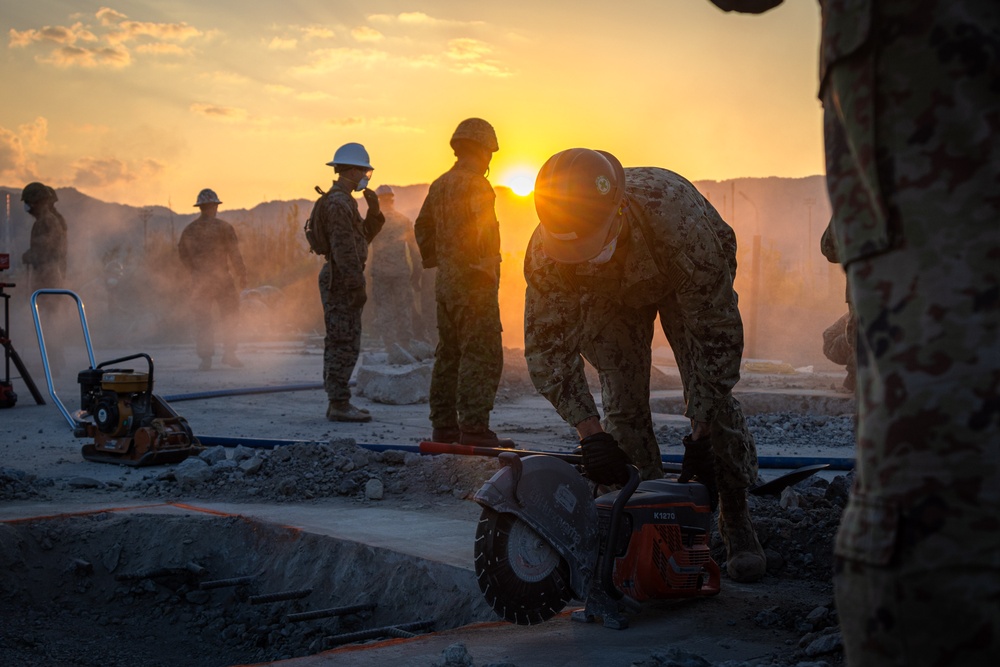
(124, 265)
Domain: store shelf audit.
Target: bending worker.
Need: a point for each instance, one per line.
(617, 247)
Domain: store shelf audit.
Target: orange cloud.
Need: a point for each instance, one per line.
(217, 112)
(366, 34)
(105, 172)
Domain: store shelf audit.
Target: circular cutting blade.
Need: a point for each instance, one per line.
(521, 576)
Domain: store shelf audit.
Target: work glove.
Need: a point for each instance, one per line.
(603, 460)
(373, 206)
(698, 465)
(358, 297)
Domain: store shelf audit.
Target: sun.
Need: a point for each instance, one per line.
(521, 180)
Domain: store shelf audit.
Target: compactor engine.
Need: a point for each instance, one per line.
(130, 424)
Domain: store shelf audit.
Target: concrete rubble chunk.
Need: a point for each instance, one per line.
(395, 385)
(374, 489)
(213, 455)
(192, 472)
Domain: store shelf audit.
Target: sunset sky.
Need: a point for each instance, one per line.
(148, 102)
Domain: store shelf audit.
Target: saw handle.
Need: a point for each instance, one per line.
(617, 508)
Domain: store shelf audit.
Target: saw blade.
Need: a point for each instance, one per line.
(521, 576)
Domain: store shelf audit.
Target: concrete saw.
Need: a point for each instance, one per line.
(545, 539)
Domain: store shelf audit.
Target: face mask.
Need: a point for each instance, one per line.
(363, 183)
(608, 251)
(27, 207)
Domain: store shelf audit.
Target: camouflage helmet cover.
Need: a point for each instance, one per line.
(207, 196)
(477, 131)
(36, 192)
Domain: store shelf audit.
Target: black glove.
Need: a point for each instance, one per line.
(698, 465)
(373, 206)
(603, 460)
(358, 297)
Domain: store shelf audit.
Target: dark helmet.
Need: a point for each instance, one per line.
(34, 193)
(477, 131)
(578, 196)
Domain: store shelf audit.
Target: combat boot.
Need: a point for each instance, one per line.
(484, 437)
(343, 411)
(449, 435)
(745, 560)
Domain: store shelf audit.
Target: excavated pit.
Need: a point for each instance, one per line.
(200, 590)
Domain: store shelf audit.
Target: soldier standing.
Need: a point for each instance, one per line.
(46, 259)
(46, 255)
(458, 232)
(346, 236)
(615, 248)
(210, 251)
(395, 272)
(912, 124)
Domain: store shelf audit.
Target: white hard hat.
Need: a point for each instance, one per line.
(207, 196)
(384, 191)
(353, 155)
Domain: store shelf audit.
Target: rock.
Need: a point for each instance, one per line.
(191, 472)
(213, 455)
(241, 453)
(395, 385)
(374, 490)
(397, 355)
(251, 466)
(455, 655)
(825, 644)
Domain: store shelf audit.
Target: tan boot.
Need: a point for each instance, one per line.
(745, 560)
(343, 411)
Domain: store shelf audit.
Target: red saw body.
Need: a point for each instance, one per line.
(544, 539)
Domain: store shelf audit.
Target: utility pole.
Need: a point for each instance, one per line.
(809, 201)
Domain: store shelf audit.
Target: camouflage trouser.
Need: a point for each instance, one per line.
(209, 294)
(840, 345)
(621, 353)
(918, 547)
(393, 310)
(342, 343)
(732, 443)
(468, 363)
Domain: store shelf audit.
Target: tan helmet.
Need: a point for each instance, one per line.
(34, 193)
(207, 196)
(477, 131)
(384, 191)
(578, 196)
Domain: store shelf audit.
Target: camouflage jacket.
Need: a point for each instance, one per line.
(675, 252)
(394, 250)
(350, 235)
(47, 252)
(458, 232)
(209, 249)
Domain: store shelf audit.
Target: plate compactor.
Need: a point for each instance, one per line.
(130, 424)
(544, 540)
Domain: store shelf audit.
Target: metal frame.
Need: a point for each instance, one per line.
(73, 421)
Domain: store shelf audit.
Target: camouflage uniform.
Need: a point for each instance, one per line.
(340, 277)
(458, 232)
(210, 251)
(395, 258)
(912, 99)
(47, 253)
(676, 258)
(840, 338)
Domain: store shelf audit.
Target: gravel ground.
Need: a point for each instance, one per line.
(117, 628)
